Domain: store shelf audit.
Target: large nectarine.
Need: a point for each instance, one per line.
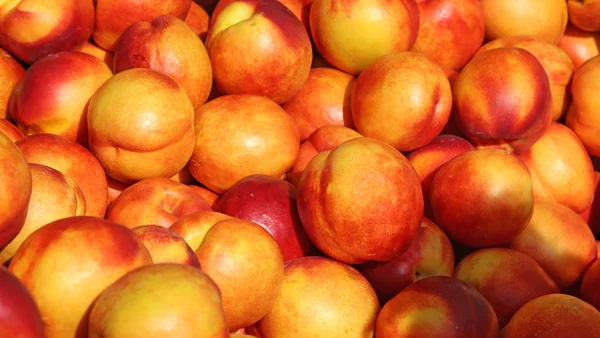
(166, 44)
(161, 300)
(403, 99)
(437, 306)
(321, 297)
(53, 95)
(561, 170)
(507, 278)
(546, 19)
(482, 198)
(67, 264)
(350, 35)
(502, 98)
(360, 202)
(560, 241)
(32, 29)
(450, 31)
(246, 264)
(259, 47)
(242, 135)
(141, 125)
(557, 64)
(556, 316)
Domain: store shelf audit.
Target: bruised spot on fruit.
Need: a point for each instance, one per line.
(139, 61)
(160, 23)
(155, 234)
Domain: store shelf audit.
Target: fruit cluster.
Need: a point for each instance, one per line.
(299, 168)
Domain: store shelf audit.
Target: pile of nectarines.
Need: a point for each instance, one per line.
(299, 168)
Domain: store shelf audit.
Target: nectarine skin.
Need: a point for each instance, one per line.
(19, 314)
(502, 99)
(545, 19)
(198, 20)
(114, 16)
(507, 278)
(91, 48)
(53, 95)
(350, 35)
(155, 201)
(246, 264)
(166, 246)
(378, 184)
(579, 45)
(32, 29)
(585, 14)
(209, 196)
(321, 297)
(430, 254)
(560, 168)
(141, 125)
(450, 31)
(11, 71)
(325, 138)
(323, 100)
(557, 64)
(430, 157)
(271, 203)
(583, 116)
(242, 135)
(76, 258)
(592, 214)
(186, 304)
(10, 130)
(560, 241)
(168, 45)
(555, 315)
(482, 198)
(193, 227)
(589, 286)
(259, 47)
(384, 104)
(437, 306)
(74, 161)
(53, 196)
(16, 190)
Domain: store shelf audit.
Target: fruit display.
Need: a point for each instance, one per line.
(300, 168)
